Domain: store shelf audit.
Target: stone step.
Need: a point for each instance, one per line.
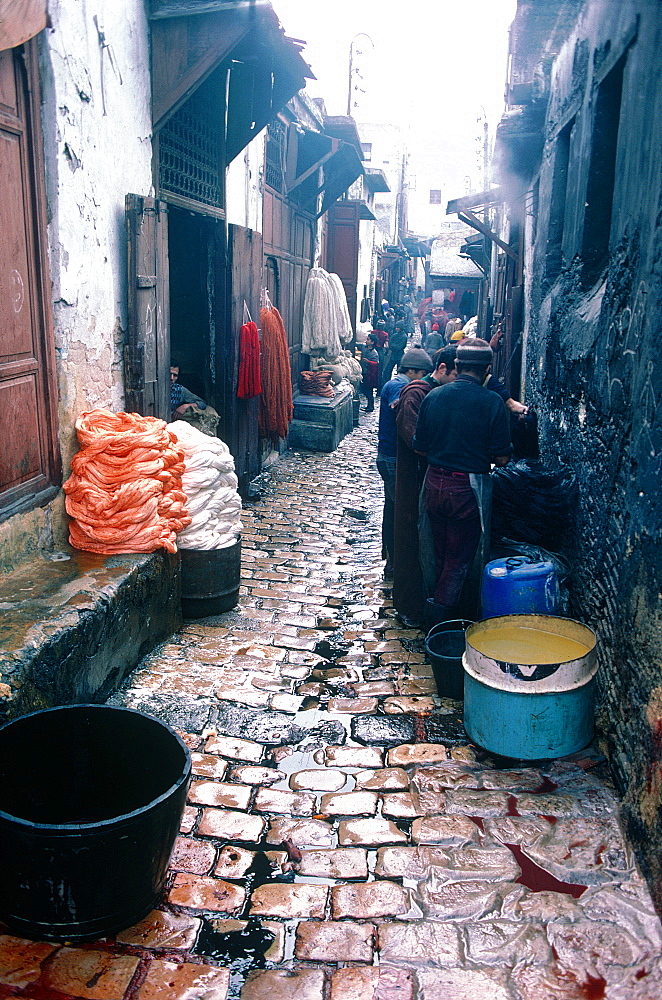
(74, 626)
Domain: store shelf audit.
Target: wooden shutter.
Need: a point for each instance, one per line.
(147, 351)
(29, 460)
(245, 272)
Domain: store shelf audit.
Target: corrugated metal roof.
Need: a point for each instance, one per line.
(447, 262)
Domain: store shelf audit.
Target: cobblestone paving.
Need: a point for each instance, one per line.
(342, 840)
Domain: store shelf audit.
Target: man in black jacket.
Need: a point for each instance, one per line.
(462, 429)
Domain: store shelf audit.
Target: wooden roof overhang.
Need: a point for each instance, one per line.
(193, 38)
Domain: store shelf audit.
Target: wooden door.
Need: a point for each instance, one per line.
(342, 251)
(245, 281)
(29, 459)
(147, 351)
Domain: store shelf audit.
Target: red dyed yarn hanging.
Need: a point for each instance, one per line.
(275, 412)
(249, 362)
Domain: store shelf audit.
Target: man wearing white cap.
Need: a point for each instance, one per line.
(462, 429)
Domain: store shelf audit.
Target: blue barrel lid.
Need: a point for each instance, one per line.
(519, 566)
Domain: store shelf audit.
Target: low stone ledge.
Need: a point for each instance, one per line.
(72, 629)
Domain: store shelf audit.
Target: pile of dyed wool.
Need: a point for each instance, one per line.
(125, 489)
(210, 485)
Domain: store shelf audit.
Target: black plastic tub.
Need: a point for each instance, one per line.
(210, 580)
(91, 800)
(444, 645)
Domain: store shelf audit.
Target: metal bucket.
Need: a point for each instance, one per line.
(444, 645)
(210, 580)
(91, 800)
(530, 710)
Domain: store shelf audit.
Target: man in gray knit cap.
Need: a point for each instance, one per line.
(415, 363)
(462, 429)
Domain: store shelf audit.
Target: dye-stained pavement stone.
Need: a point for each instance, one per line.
(183, 981)
(411, 706)
(235, 749)
(278, 900)
(383, 731)
(384, 779)
(256, 775)
(360, 983)
(162, 929)
(349, 804)
(470, 984)
(419, 753)
(207, 765)
(267, 728)
(233, 862)
(400, 805)
(21, 960)
(369, 899)
(353, 757)
(349, 706)
(206, 894)
(334, 942)
(228, 825)
(87, 973)
(320, 779)
(420, 943)
(285, 984)
(340, 863)
(444, 830)
(370, 832)
(302, 833)
(217, 793)
(503, 942)
(278, 800)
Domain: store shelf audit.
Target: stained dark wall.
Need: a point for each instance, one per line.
(594, 368)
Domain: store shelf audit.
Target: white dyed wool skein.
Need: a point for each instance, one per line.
(210, 485)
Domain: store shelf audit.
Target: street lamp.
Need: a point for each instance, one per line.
(354, 51)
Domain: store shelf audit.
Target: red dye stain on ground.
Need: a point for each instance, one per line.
(512, 806)
(478, 820)
(594, 987)
(550, 819)
(547, 786)
(538, 880)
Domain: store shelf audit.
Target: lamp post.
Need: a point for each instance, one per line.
(354, 51)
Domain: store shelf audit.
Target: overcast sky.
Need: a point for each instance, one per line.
(435, 63)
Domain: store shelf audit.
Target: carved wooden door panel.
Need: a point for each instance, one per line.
(29, 458)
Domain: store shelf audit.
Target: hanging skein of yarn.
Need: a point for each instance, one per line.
(210, 485)
(326, 322)
(275, 410)
(248, 382)
(124, 493)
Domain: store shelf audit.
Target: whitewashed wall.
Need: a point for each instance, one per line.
(96, 121)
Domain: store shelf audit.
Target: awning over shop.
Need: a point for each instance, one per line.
(474, 202)
(376, 180)
(21, 20)
(192, 38)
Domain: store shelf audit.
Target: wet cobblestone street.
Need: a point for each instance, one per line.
(342, 839)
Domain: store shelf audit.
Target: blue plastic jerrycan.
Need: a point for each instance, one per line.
(517, 585)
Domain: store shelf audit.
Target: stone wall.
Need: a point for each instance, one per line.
(594, 372)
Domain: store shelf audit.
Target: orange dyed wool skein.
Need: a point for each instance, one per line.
(125, 493)
(275, 412)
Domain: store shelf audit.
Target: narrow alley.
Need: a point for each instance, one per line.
(342, 840)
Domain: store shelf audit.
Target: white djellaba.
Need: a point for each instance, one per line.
(210, 485)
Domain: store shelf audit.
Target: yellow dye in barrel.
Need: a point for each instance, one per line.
(520, 644)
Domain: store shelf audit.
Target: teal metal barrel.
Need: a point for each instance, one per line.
(529, 685)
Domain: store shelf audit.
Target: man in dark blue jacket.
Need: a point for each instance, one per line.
(462, 429)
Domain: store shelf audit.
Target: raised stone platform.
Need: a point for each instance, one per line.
(321, 423)
(71, 629)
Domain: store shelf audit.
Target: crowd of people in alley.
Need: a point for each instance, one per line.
(444, 422)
